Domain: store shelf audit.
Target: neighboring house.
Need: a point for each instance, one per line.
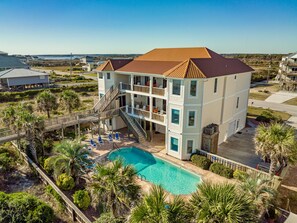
(181, 93)
(288, 72)
(20, 79)
(89, 63)
(9, 62)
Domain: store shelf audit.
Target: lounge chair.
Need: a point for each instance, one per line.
(100, 140)
(117, 136)
(110, 138)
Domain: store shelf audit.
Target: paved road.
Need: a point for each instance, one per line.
(291, 109)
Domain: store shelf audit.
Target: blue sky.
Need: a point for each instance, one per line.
(136, 26)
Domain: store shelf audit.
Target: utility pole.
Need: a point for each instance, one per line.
(269, 67)
(70, 64)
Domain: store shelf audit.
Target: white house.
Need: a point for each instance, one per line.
(178, 92)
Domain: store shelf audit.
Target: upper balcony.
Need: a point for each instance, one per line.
(146, 85)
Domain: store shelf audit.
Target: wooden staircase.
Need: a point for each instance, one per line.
(134, 126)
(103, 103)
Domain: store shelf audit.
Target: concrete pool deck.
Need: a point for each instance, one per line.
(157, 148)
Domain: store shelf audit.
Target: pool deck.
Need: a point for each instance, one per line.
(157, 148)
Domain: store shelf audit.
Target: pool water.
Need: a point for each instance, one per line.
(172, 178)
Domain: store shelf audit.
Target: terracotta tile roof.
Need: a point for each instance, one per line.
(113, 64)
(175, 54)
(186, 69)
(198, 62)
(149, 67)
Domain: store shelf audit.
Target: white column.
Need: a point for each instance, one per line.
(132, 81)
(151, 107)
(151, 84)
(132, 103)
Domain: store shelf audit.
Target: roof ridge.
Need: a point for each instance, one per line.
(192, 62)
(175, 68)
(111, 64)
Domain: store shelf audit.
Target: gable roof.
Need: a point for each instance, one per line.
(113, 64)
(198, 62)
(11, 62)
(20, 72)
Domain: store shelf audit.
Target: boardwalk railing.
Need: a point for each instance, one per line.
(76, 214)
(239, 166)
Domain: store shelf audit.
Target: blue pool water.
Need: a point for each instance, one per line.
(172, 178)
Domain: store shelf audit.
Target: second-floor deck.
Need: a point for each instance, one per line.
(143, 89)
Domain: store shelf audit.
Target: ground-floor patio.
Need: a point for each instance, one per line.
(241, 148)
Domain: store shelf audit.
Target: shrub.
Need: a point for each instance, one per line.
(240, 175)
(201, 161)
(6, 162)
(221, 170)
(82, 199)
(48, 145)
(108, 217)
(65, 182)
(23, 207)
(47, 167)
(54, 193)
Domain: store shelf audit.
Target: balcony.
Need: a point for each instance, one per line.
(141, 88)
(144, 113)
(158, 91)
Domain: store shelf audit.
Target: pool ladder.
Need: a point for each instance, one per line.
(142, 177)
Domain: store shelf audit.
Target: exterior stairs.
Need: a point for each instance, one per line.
(103, 103)
(134, 126)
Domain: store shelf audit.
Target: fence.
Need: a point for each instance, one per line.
(75, 213)
(239, 166)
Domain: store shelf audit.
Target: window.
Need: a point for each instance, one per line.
(215, 85)
(193, 88)
(174, 144)
(110, 121)
(100, 75)
(108, 76)
(190, 146)
(176, 87)
(237, 124)
(175, 116)
(235, 77)
(191, 120)
(237, 102)
(101, 95)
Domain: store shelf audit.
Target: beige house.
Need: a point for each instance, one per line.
(177, 92)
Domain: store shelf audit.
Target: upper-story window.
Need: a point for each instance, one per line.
(215, 85)
(237, 102)
(108, 76)
(193, 88)
(100, 75)
(191, 120)
(175, 116)
(176, 87)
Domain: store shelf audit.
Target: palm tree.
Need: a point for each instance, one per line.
(47, 101)
(155, 208)
(276, 141)
(33, 127)
(221, 203)
(70, 99)
(115, 185)
(260, 191)
(71, 158)
(21, 118)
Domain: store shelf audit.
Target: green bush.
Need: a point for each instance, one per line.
(221, 170)
(201, 161)
(23, 207)
(48, 145)
(82, 199)
(6, 162)
(65, 182)
(48, 168)
(240, 175)
(108, 217)
(54, 193)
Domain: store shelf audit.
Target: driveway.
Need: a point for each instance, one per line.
(241, 148)
(281, 96)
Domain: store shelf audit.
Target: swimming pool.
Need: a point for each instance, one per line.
(172, 178)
